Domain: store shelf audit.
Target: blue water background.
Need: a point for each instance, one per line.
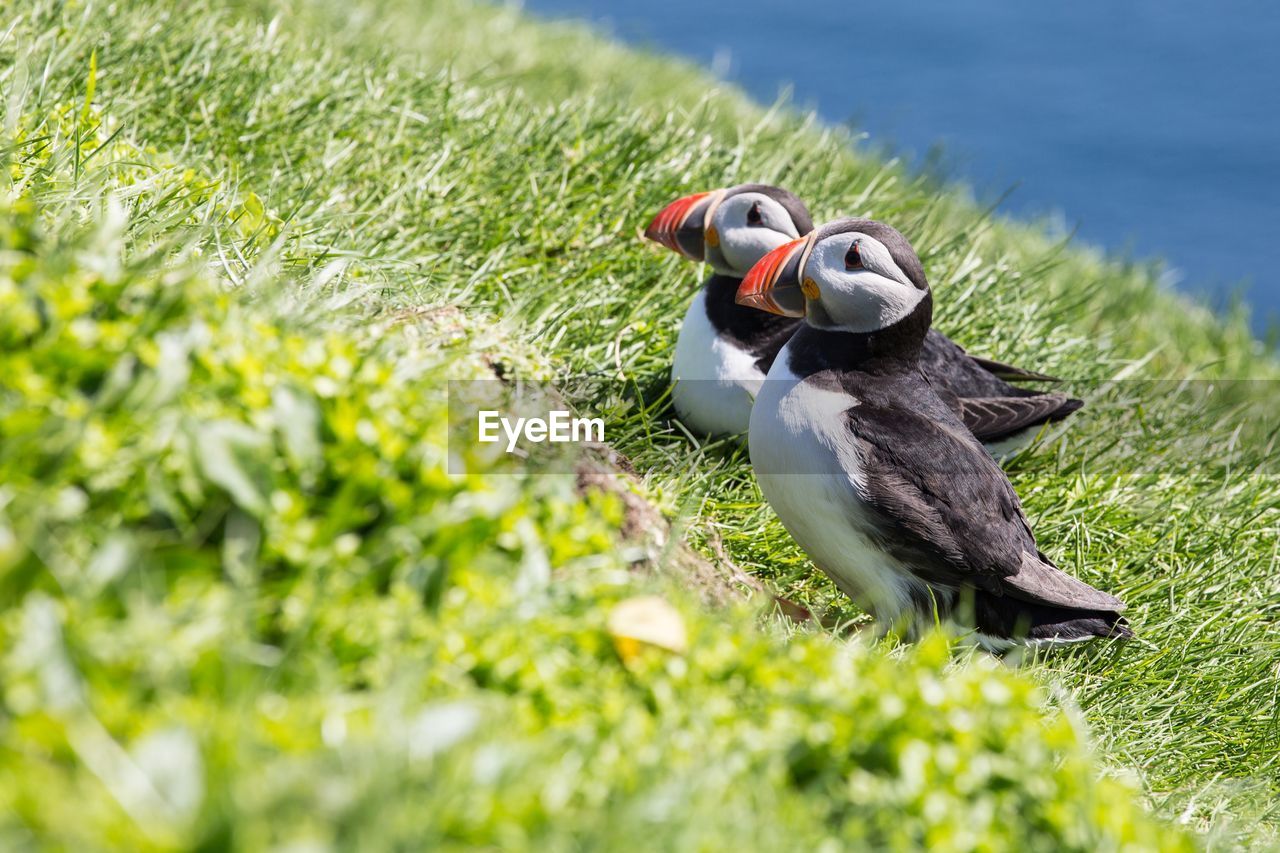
(1151, 128)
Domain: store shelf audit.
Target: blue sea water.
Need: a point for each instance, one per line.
(1151, 127)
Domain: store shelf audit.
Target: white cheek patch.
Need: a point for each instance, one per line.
(743, 246)
(871, 302)
(876, 256)
(776, 217)
(861, 300)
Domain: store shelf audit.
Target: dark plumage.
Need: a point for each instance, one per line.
(947, 511)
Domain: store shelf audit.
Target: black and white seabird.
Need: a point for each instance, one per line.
(724, 350)
(874, 474)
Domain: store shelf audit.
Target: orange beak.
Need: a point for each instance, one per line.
(679, 226)
(773, 284)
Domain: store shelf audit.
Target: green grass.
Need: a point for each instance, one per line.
(251, 609)
(317, 220)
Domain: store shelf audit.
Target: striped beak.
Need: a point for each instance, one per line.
(773, 284)
(681, 226)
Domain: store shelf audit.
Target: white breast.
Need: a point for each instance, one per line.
(812, 476)
(713, 381)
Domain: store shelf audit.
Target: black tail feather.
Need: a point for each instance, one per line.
(1009, 618)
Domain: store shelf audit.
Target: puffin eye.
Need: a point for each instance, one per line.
(753, 215)
(853, 257)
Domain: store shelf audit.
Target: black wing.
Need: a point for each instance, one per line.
(949, 367)
(1009, 372)
(994, 418)
(954, 516)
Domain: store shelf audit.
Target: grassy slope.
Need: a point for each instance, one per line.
(1127, 499)
(523, 206)
(1168, 494)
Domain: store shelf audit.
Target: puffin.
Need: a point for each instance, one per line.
(724, 350)
(857, 449)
